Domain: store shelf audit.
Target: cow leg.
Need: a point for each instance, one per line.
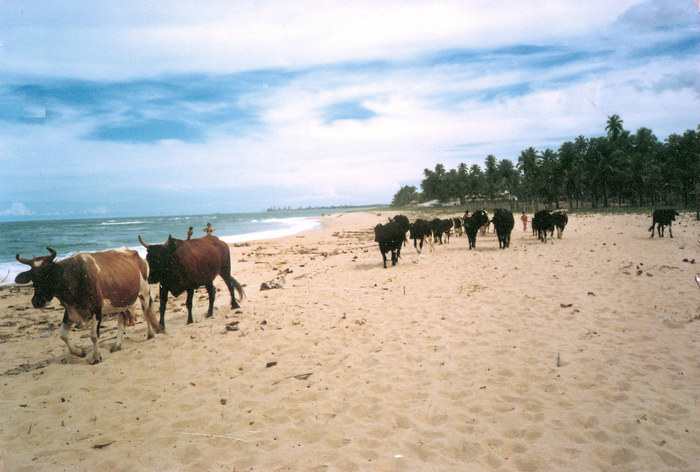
(122, 317)
(212, 294)
(163, 303)
(188, 304)
(65, 336)
(147, 308)
(383, 256)
(95, 336)
(669, 231)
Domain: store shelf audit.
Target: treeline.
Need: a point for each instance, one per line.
(619, 168)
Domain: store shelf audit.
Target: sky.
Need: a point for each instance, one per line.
(141, 107)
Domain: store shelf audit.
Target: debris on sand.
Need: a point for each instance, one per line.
(277, 283)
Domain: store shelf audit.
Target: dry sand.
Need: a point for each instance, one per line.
(445, 362)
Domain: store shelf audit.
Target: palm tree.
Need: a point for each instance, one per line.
(477, 182)
(614, 127)
(508, 176)
(529, 167)
(571, 163)
(642, 164)
(491, 173)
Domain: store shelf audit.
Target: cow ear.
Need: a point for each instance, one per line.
(24, 277)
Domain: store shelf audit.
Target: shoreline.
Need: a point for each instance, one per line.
(303, 224)
(578, 354)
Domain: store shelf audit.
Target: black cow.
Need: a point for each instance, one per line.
(445, 228)
(391, 236)
(560, 219)
(472, 224)
(663, 217)
(181, 266)
(435, 228)
(541, 223)
(420, 230)
(403, 221)
(503, 223)
(457, 226)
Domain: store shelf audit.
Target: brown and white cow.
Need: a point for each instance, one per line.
(89, 285)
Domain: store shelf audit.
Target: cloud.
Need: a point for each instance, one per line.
(685, 79)
(17, 209)
(351, 110)
(257, 104)
(137, 39)
(655, 15)
(146, 131)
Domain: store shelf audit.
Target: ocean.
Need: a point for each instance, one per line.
(30, 238)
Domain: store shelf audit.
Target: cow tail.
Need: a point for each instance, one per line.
(239, 289)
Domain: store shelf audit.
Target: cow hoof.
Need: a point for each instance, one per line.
(115, 348)
(95, 361)
(81, 353)
(209, 315)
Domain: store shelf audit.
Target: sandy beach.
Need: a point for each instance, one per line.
(581, 354)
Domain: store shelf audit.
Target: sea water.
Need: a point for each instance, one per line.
(30, 238)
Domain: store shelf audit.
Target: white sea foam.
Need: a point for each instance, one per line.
(290, 226)
(119, 223)
(293, 226)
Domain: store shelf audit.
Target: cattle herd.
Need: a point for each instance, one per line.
(391, 236)
(89, 285)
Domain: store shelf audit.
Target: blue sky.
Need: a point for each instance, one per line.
(144, 107)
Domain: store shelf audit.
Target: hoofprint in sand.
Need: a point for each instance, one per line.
(578, 354)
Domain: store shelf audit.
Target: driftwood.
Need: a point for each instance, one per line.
(216, 436)
(298, 377)
(102, 445)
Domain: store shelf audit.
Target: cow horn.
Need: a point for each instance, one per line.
(52, 251)
(143, 243)
(23, 260)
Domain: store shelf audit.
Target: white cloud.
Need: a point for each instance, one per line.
(142, 38)
(17, 209)
(391, 59)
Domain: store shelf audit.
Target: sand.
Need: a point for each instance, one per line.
(578, 354)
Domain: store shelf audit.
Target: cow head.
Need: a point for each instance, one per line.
(480, 217)
(160, 258)
(45, 274)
